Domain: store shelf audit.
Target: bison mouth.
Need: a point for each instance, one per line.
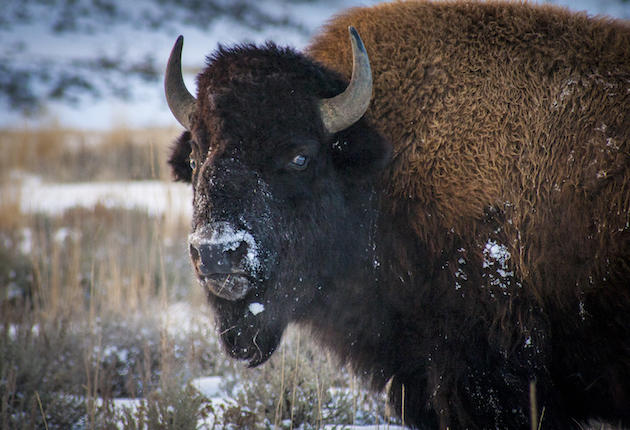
(228, 286)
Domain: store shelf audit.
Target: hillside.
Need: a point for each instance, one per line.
(98, 63)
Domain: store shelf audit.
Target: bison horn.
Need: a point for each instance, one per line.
(180, 101)
(343, 110)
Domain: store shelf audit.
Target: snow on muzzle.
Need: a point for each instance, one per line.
(225, 258)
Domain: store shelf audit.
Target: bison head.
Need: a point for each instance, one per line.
(281, 166)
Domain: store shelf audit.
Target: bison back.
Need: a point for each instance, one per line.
(505, 119)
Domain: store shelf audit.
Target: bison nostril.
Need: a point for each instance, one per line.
(236, 255)
(212, 259)
(194, 254)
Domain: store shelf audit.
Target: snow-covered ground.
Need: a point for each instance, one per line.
(156, 197)
(48, 45)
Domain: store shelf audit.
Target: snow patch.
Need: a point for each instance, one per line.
(181, 319)
(256, 308)
(65, 233)
(495, 253)
(209, 386)
(156, 197)
(495, 258)
(26, 243)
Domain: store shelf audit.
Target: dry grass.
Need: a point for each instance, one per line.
(84, 311)
(81, 298)
(59, 154)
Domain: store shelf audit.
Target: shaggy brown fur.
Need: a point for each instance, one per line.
(522, 110)
(512, 122)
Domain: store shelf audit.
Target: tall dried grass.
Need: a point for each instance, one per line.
(81, 298)
(59, 154)
(82, 293)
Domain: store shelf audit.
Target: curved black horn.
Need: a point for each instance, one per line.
(180, 101)
(345, 109)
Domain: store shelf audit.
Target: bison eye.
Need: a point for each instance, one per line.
(299, 162)
(193, 164)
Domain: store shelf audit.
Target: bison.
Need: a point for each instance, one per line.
(444, 202)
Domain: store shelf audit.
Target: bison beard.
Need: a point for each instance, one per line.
(465, 241)
(246, 336)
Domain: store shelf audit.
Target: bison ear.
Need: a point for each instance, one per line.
(360, 151)
(179, 158)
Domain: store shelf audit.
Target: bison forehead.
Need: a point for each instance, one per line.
(249, 64)
(252, 93)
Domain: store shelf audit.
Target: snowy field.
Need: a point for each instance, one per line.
(154, 197)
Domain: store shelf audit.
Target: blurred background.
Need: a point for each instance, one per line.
(101, 322)
(98, 64)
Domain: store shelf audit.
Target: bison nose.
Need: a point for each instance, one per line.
(211, 259)
(225, 259)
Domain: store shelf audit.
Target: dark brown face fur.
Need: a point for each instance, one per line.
(281, 208)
